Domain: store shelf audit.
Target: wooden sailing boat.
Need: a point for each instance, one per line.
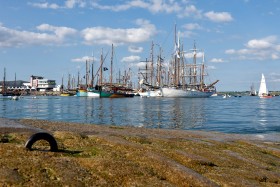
(112, 90)
(102, 88)
(92, 91)
(151, 83)
(263, 92)
(188, 79)
(82, 90)
(66, 92)
(88, 90)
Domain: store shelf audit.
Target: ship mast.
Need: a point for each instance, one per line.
(4, 82)
(92, 75)
(86, 73)
(15, 83)
(101, 68)
(146, 70)
(175, 59)
(202, 72)
(183, 79)
(159, 68)
(178, 60)
(68, 83)
(62, 81)
(111, 74)
(78, 79)
(194, 62)
(152, 64)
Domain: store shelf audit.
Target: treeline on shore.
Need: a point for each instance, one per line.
(244, 93)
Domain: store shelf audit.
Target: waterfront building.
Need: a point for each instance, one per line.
(41, 84)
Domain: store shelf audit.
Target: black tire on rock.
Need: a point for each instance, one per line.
(42, 136)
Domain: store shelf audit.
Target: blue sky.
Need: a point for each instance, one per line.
(49, 38)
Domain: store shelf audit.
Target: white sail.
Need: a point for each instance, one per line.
(263, 90)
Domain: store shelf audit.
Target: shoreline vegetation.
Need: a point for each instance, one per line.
(98, 155)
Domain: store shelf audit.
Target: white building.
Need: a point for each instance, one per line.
(58, 88)
(41, 84)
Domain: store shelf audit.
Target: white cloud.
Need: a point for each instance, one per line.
(115, 8)
(190, 30)
(84, 59)
(53, 35)
(275, 56)
(263, 43)
(217, 60)
(164, 6)
(131, 59)
(61, 32)
(16, 38)
(45, 5)
(190, 11)
(258, 49)
(211, 67)
(192, 26)
(106, 35)
(191, 55)
(154, 6)
(140, 64)
(68, 4)
(218, 16)
(187, 34)
(135, 49)
(180, 8)
(258, 44)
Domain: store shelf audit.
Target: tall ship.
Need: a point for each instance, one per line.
(151, 78)
(113, 89)
(188, 79)
(106, 89)
(253, 91)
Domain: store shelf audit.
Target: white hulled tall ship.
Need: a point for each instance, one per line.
(188, 79)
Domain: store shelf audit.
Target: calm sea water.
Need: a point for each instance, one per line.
(242, 115)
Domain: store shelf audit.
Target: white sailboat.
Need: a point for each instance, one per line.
(263, 92)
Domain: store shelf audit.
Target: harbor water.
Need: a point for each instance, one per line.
(241, 115)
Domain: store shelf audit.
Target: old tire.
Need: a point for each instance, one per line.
(42, 136)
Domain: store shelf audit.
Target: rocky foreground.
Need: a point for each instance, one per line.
(94, 155)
